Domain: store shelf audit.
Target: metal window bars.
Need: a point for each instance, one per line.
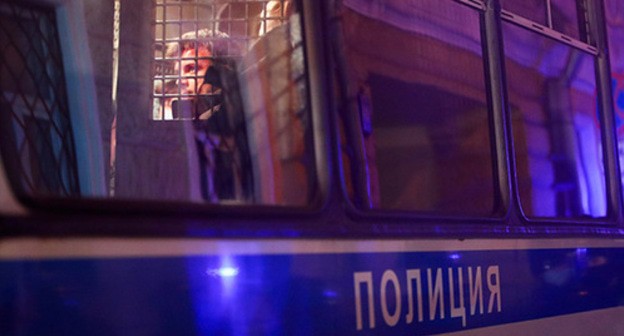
(197, 47)
(226, 27)
(584, 41)
(38, 145)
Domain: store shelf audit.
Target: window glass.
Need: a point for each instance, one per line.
(415, 70)
(34, 118)
(195, 100)
(560, 15)
(614, 12)
(565, 17)
(534, 10)
(557, 138)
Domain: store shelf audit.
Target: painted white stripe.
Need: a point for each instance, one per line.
(604, 322)
(35, 248)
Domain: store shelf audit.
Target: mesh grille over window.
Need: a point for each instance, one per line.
(34, 117)
(226, 28)
(202, 101)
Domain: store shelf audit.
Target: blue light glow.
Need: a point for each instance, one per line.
(330, 294)
(223, 272)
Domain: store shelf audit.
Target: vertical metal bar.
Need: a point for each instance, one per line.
(583, 22)
(350, 117)
(115, 87)
(549, 14)
(163, 62)
(178, 56)
(500, 127)
(263, 19)
(246, 21)
(598, 31)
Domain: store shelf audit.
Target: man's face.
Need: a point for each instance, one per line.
(192, 69)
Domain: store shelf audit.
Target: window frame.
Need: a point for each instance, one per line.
(84, 115)
(500, 131)
(597, 34)
(498, 145)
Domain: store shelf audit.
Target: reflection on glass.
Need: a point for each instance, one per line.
(534, 10)
(618, 96)
(560, 15)
(565, 18)
(37, 139)
(557, 138)
(210, 103)
(236, 71)
(420, 86)
(614, 12)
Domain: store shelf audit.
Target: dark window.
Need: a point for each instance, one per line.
(568, 17)
(614, 12)
(34, 117)
(202, 101)
(236, 70)
(557, 137)
(416, 71)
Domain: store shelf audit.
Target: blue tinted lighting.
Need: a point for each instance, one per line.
(223, 272)
(330, 294)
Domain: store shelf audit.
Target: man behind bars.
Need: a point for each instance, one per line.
(199, 79)
(207, 84)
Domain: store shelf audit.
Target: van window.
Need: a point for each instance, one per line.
(202, 101)
(415, 75)
(37, 138)
(556, 127)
